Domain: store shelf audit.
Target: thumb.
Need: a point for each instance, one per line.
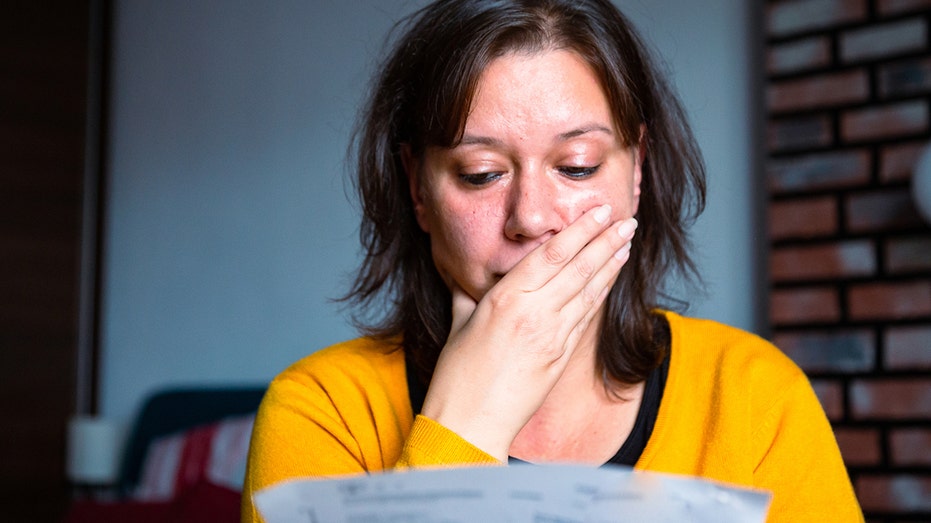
(463, 306)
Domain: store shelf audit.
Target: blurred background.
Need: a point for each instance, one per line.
(175, 207)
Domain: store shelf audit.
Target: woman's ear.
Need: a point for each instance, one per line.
(412, 169)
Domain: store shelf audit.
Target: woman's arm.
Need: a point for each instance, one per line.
(801, 463)
(345, 410)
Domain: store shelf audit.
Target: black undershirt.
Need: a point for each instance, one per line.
(636, 441)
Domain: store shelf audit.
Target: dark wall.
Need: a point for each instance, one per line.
(43, 101)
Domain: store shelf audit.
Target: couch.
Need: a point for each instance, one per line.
(183, 460)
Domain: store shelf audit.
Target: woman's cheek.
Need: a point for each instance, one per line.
(453, 247)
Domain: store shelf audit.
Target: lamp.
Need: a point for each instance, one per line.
(921, 184)
(93, 451)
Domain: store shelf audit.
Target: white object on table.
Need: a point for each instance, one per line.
(93, 450)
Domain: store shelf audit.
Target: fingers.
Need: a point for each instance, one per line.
(547, 260)
(581, 295)
(595, 267)
(578, 262)
(589, 300)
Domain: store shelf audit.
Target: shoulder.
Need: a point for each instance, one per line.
(737, 367)
(707, 343)
(343, 409)
(358, 366)
(736, 409)
(362, 354)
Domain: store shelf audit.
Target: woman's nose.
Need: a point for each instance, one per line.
(533, 208)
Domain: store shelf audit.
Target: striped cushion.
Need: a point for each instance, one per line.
(215, 453)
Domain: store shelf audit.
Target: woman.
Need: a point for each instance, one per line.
(509, 152)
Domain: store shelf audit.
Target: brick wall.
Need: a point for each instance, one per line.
(848, 93)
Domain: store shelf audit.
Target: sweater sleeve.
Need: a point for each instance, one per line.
(799, 461)
(335, 416)
(432, 444)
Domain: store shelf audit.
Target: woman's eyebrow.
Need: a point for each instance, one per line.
(585, 130)
(471, 139)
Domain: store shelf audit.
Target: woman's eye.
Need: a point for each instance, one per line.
(578, 172)
(479, 179)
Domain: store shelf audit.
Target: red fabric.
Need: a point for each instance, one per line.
(207, 502)
(201, 503)
(215, 453)
(194, 458)
(106, 512)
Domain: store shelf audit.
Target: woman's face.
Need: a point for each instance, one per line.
(539, 150)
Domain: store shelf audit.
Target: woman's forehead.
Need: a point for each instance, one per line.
(521, 92)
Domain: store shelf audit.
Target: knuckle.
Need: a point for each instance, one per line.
(589, 295)
(498, 299)
(549, 351)
(584, 268)
(553, 254)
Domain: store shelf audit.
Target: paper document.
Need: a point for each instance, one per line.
(518, 493)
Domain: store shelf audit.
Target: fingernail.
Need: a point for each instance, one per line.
(602, 213)
(623, 251)
(627, 227)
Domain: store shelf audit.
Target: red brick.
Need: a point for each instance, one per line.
(880, 41)
(890, 301)
(827, 90)
(819, 171)
(792, 16)
(910, 447)
(808, 218)
(787, 134)
(908, 348)
(798, 55)
(882, 210)
(816, 304)
(833, 351)
(897, 162)
(859, 446)
(890, 7)
(904, 78)
(894, 493)
(831, 397)
(833, 260)
(904, 255)
(885, 122)
(891, 398)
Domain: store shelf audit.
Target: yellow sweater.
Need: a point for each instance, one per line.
(734, 409)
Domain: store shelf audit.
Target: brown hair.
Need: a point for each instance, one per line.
(421, 97)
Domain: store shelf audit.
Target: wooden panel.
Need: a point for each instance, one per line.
(43, 100)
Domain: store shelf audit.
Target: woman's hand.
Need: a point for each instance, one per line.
(506, 352)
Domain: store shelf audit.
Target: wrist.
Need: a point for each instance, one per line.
(478, 430)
